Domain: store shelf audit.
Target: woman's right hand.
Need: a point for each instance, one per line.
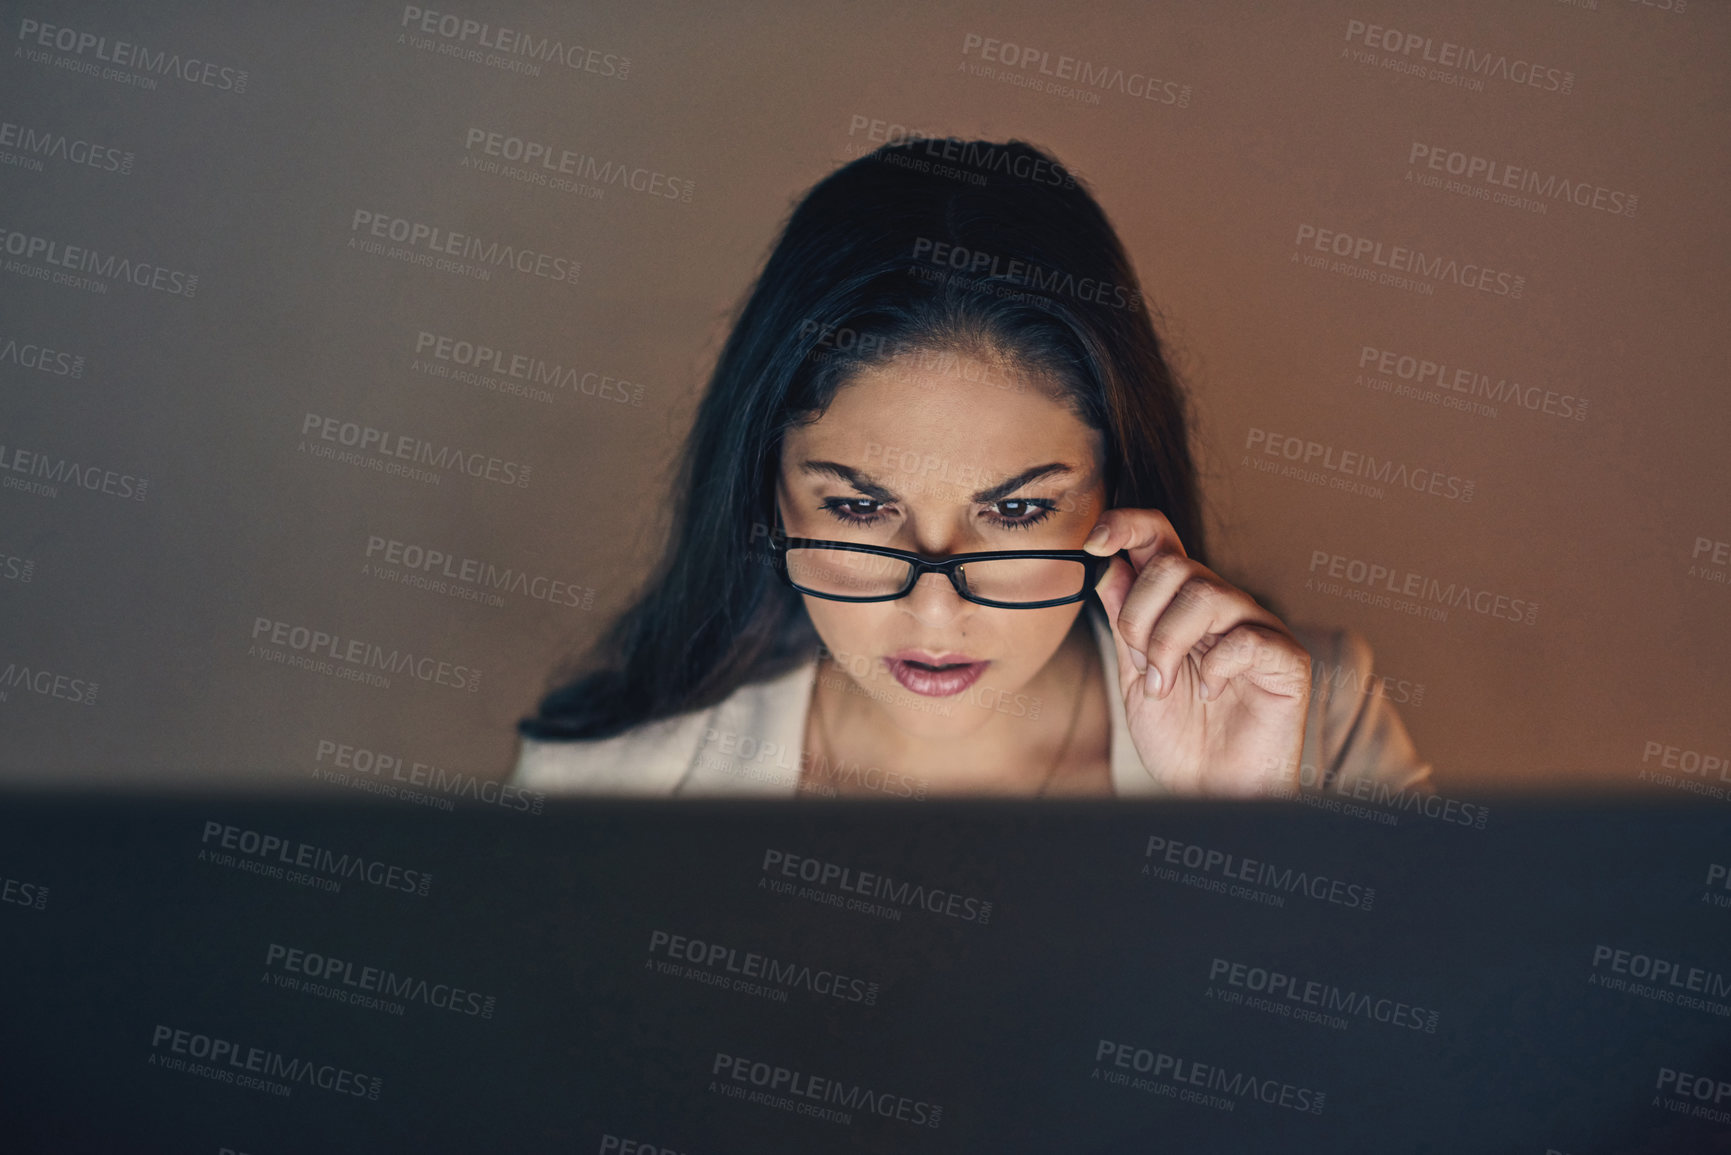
(1215, 687)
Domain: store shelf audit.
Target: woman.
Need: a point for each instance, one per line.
(931, 368)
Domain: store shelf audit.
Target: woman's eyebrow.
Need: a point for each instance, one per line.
(868, 486)
(1004, 488)
(860, 481)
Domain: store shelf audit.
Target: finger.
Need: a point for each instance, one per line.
(1203, 609)
(1140, 533)
(1143, 534)
(1150, 596)
(1262, 657)
(1112, 587)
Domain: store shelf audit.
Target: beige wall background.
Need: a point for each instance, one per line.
(130, 635)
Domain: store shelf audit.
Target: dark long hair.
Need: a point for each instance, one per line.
(925, 246)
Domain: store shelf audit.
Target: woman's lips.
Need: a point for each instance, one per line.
(916, 672)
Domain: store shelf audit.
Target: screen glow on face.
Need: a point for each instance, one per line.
(941, 463)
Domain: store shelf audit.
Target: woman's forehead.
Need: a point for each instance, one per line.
(955, 419)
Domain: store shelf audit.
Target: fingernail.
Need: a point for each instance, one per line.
(1140, 661)
(1099, 535)
(1202, 688)
(1151, 681)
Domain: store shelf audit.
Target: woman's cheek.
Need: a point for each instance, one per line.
(847, 632)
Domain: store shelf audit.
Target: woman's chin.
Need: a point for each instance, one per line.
(938, 718)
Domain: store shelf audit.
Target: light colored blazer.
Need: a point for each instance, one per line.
(750, 742)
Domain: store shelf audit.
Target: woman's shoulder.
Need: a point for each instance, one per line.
(714, 750)
(1355, 741)
(647, 759)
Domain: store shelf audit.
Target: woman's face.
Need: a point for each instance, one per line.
(942, 455)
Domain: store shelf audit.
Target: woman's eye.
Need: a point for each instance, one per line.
(854, 508)
(1021, 511)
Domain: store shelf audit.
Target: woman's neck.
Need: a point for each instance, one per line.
(854, 745)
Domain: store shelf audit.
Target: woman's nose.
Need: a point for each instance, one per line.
(933, 600)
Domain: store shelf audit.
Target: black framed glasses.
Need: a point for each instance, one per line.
(1018, 579)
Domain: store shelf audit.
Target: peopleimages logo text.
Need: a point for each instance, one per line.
(749, 964)
(840, 1094)
(1255, 871)
(1484, 63)
(1396, 580)
(1325, 996)
(553, 160)
(37, 142)
(54, 470)
(1104, 77)
(227, 1057)
(382, 981)
(335, 757)
(487, 359)
(463, 246)
(128, 55)
(36, 680)
(464, 32)
(1501, 175)
(272, 847)
(472, 571)
(364, 654)
(1178, 1071)
(834, 876)
(404, 447)
(1422, 371)
(1027, 274)
(1401, 259)
(105, 266)
(40, 358)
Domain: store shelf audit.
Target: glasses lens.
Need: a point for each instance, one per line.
(1024, 579)
(844, 573)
